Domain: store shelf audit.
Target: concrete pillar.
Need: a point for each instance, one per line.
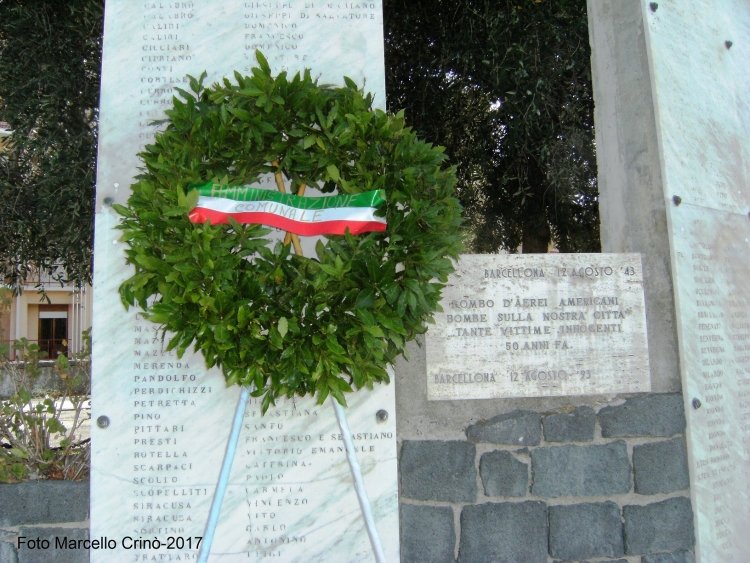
(631, 192)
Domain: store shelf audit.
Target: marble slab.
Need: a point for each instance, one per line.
(539, 326)
(700, 67)
(156, 463)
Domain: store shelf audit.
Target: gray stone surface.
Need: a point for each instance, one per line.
(7, 553)
(44, 502)
(504, 532)
(517, 428)
(427, 534)
(48, 381)
(660, 467)
(608, 561)
(674, 557)
(652, 415)
(456, 367)
(585, 530)
(631, 189)
(581, 470)
(661, 526)
(53, 555)
(503, 475)
(436, 470)
(577, 426)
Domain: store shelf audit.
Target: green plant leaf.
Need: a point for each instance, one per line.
(283, 326)
(19, 453)
(333, 172)
(192, 199)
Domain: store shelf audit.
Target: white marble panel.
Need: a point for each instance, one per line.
(701, 90)
(713, 304)
(155, 466)
(700, 67)
(150, 47)
(291, 486)
(539, 326)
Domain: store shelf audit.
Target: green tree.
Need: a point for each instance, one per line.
(505, 85)
(50, 58)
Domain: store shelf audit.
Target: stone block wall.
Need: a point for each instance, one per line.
(529, 487)
(43, 510)
(523, 487)
(48, 381)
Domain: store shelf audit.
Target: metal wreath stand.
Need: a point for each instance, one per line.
(226, 466)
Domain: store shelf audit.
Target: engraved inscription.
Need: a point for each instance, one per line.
(530, 326)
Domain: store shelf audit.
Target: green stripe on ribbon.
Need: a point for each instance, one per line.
(372, 198)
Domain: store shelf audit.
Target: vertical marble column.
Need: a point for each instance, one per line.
(671, 83)
(164, 421)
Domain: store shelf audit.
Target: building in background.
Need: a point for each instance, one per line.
(55, 320)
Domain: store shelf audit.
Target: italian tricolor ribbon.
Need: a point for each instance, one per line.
(307, 216)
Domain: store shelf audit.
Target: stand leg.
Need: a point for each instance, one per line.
(226, 467)
(359, 483)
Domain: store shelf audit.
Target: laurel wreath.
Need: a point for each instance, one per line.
(269, 318)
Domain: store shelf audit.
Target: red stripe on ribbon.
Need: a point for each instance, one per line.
(201, 215)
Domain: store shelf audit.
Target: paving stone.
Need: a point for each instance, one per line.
(575, 561)
(44, 502)
(585, 530)
(504, 532)
(661, 526)
(53, 555)
(577, 426)
(503, 475)
(427, 534)
(652, 415)
(661, 467)
(7, 552)
(437, 470)
(580, 470)
(674, 557)
(517, 428)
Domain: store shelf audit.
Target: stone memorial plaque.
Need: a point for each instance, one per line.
(700, 68)
(539, 326)
(164, 422)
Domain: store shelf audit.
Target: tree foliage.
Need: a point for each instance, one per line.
(50, 58)
(505, 85)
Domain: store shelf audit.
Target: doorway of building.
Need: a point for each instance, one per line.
(53, 330)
